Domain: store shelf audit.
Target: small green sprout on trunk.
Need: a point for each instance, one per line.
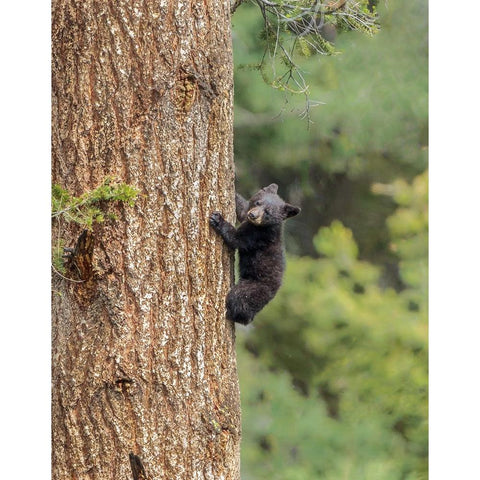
(86, 210)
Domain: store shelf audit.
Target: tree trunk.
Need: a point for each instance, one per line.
(143, 360)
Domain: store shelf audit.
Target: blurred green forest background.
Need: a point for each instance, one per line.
(333, 372)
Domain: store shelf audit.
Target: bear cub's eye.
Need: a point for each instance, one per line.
(258, 203)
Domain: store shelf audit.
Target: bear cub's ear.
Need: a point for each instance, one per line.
(272, 188)
(290, 210)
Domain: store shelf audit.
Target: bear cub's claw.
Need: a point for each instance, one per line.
(215, 219)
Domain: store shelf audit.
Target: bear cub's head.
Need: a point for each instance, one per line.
(267, 208)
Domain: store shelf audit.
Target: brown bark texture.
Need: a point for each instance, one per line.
(144, 380)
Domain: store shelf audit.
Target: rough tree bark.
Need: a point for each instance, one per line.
(143, 360)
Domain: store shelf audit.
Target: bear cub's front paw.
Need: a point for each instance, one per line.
(216, 219)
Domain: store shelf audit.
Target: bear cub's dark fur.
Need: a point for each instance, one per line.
(259, 243)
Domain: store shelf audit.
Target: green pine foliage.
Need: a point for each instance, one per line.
(292, 30)
(89, 208)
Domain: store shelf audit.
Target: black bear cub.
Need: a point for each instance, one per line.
(259, 243)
